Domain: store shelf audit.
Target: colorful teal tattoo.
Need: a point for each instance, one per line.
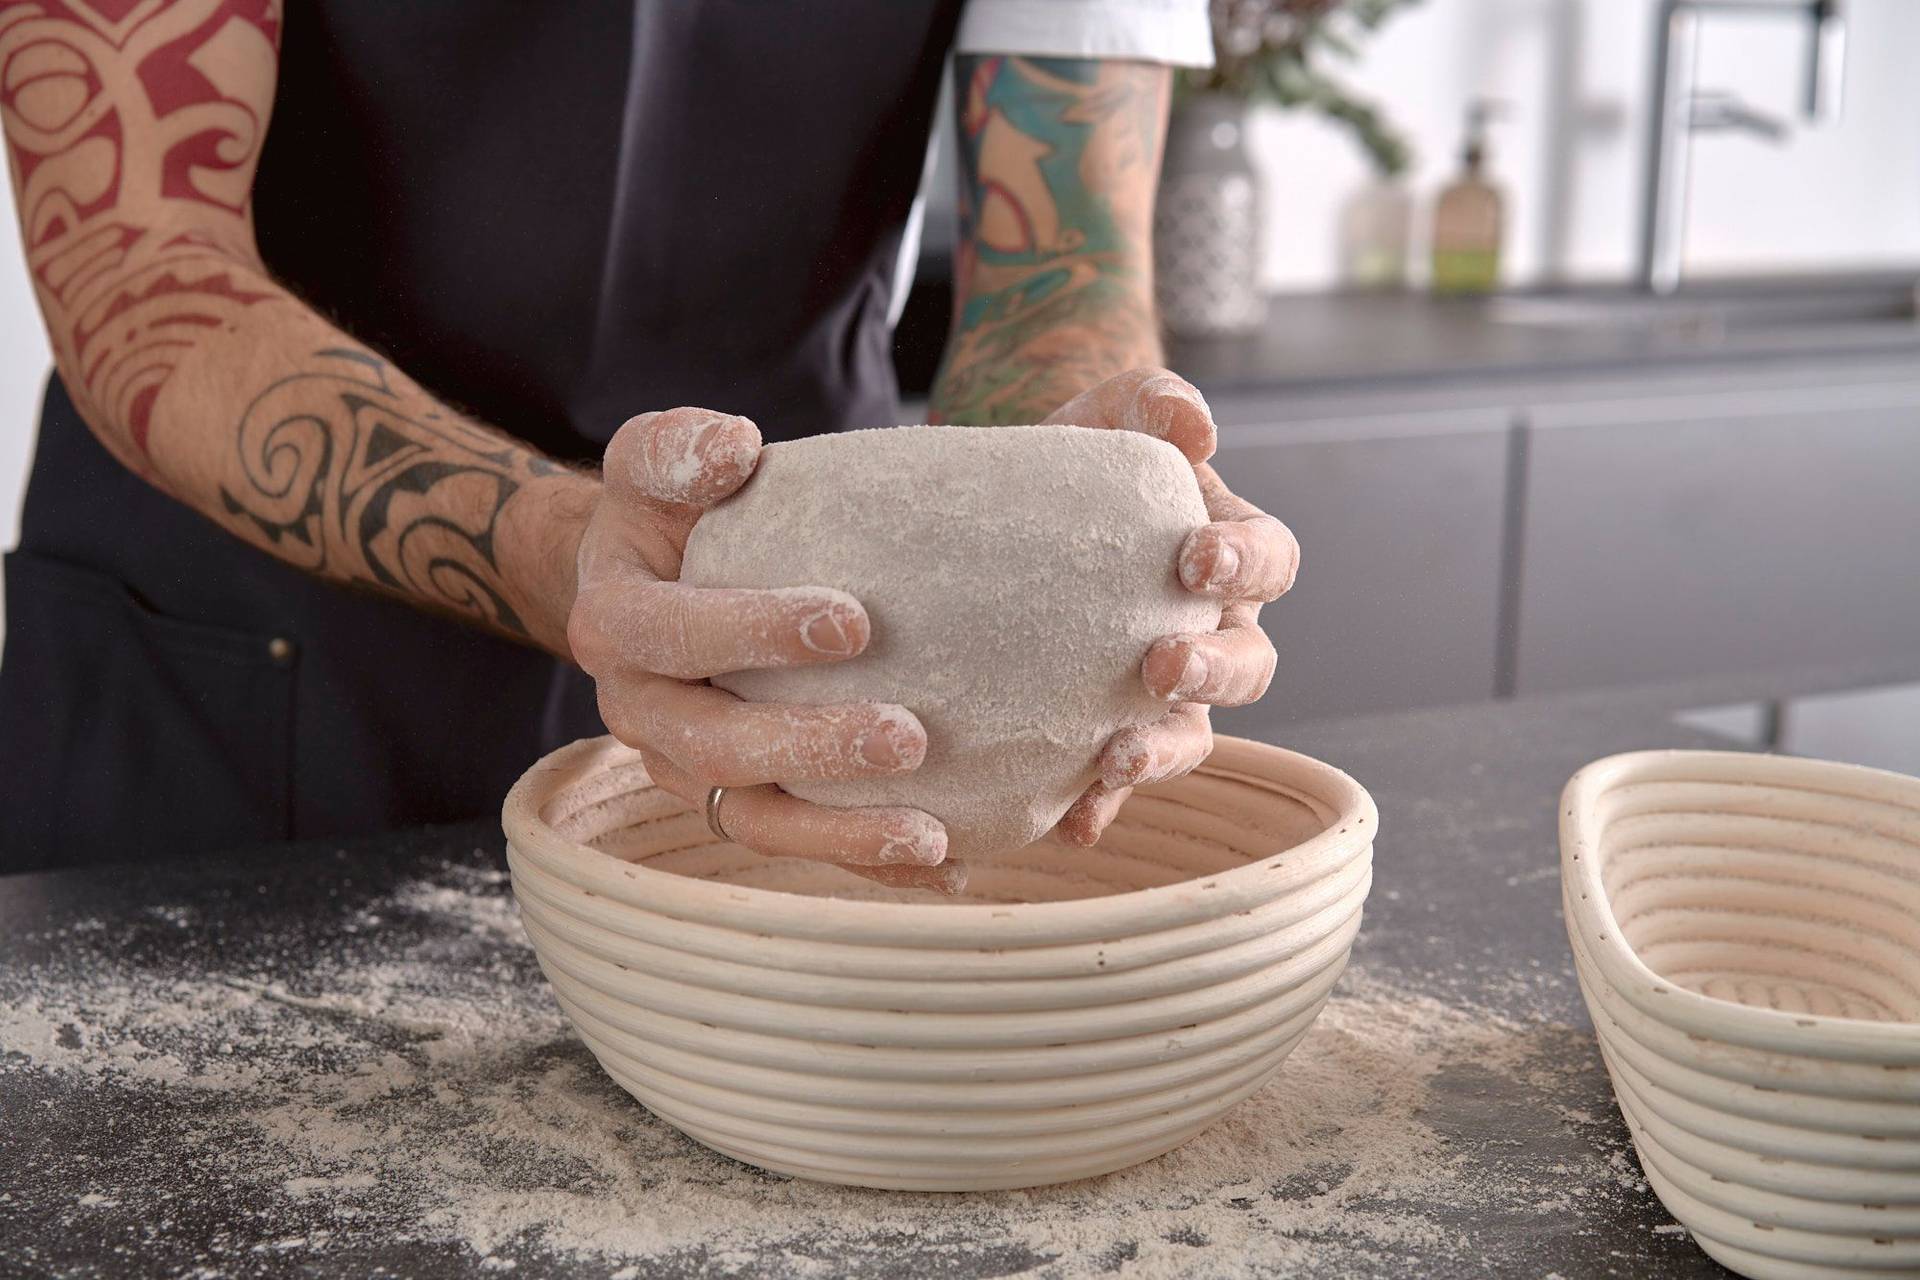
(1059, 160)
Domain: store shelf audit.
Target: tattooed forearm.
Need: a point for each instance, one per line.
(133, 133)
(341, 471)
(1053, 280)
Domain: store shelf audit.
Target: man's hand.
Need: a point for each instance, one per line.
(1244, 558)
(1059, 161)
(652, 644)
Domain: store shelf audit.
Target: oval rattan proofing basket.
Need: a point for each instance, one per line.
(1074, 1012)
(1747, 934)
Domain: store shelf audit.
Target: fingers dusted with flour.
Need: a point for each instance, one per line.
(1172, 746)
(900, 847)
(724, 742)
(683, 457)
(651, 642)
(1242, 557)
(1226, 668)
(1097, 806)
(1151, 401)
(660, 471)
(1245, 554)
(691, 633)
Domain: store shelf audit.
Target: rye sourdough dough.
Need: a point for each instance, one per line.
(1014, 578)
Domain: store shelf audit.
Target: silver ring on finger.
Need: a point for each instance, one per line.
(714, 796)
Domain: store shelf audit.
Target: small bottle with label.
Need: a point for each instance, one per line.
(1469, 217)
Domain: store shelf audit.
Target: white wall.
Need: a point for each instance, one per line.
(1575, 75)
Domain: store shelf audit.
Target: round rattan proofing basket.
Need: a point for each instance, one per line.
(1746, 930)
(1072, 1013)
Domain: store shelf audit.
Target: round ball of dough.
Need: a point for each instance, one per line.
(1014, 578)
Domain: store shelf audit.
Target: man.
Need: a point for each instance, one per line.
(375, 342)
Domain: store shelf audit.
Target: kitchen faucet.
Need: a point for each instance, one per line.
(1678, 110)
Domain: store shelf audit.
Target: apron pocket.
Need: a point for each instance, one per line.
(126, 734)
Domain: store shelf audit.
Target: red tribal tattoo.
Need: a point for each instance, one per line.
(133, 193)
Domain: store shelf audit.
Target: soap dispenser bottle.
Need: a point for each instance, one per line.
(1470, 216)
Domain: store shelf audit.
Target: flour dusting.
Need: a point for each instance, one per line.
(418, 1084)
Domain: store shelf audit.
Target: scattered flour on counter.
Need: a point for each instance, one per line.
(419, 1083)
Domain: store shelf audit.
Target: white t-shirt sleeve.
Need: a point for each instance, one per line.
(1174, 32)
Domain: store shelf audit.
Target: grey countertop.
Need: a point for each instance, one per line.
(1376, 341)
(341, 1059)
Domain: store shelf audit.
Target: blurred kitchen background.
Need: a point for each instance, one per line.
(1569, 368)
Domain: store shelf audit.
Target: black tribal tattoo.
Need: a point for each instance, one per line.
(335, 477)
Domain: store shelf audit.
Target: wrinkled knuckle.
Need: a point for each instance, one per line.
(670, 641)
(674, 659)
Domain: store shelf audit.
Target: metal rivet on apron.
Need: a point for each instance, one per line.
(280, 649)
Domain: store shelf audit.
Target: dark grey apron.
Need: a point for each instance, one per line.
(553, 215)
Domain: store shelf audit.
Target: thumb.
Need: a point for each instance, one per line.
(680, 458)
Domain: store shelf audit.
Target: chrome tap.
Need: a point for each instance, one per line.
(1678, 110)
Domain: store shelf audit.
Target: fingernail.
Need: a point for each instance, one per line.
(922, 844)
(1126, 762)
(679, 468)
(1192, 676)
(826, 632)
(1217, 576)
(951, 878)
(897, 742)
(1168, 407)
(1075, 828)
(1226, 568)
(732, 463)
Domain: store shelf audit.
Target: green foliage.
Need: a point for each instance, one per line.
(1273, 51)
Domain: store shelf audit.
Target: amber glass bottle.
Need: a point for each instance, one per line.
(1469, 218)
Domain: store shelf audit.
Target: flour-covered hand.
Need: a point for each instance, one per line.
(1243, 558)
(651, 642)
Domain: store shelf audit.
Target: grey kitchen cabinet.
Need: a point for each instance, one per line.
(1400, 522)
(1677, 535)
